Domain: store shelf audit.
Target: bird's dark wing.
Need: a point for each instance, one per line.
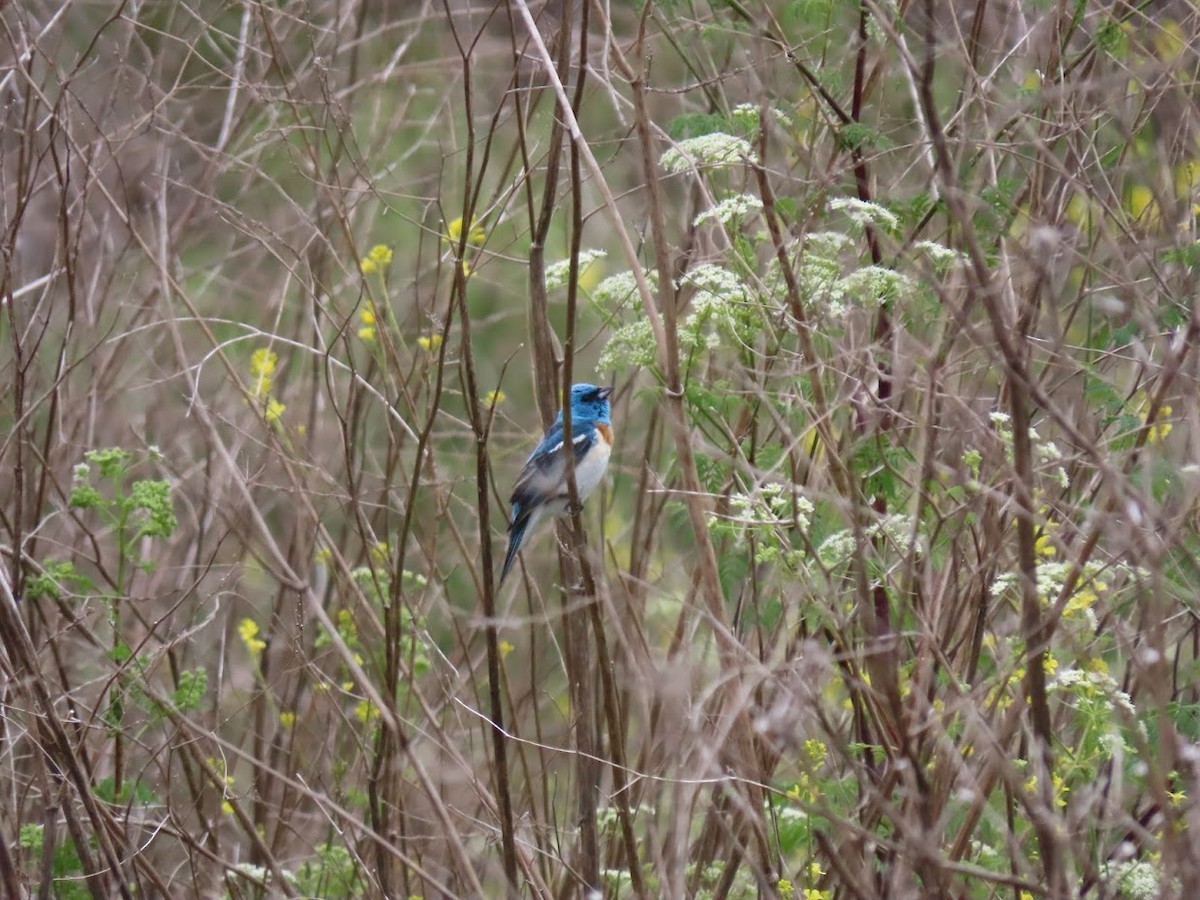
(544, 474)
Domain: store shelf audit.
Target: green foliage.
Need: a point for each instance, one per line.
(130, 792)
(58, 576)
(30, 837)
(878, 464)
(142, 508)
(332, 874)
(857, 136)
(66, 866)
(1185, 255)
(1110, 38)
(692, 125)
(808, 12)
(193, 683)
(154, 499)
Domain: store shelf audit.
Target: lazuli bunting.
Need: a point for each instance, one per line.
(541, 490)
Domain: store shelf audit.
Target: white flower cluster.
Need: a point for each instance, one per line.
(746, 117)
(1079, 681)
(820, 282)
(764, 509)
(731, 211)
(1046, 452)
(863, 213)
(897, 529)
(824, 287)
(707, 151)
(632, 345)
(721, 300)
(558, 272)
(770, 504)
(940, 256)
(1135, 879)
(876, 285)
(817, 271)
(1051, 576)
(615, 290)
(827, 244)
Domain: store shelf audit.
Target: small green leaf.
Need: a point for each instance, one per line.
(192, 685)
(692, 125)
(56, 577)
(857, 136)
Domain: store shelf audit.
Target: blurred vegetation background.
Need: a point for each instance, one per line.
(890, 592)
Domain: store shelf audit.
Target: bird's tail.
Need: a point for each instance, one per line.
(516, 537)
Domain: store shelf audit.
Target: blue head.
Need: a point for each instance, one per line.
(589, 404)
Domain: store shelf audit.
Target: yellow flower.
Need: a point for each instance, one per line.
(287, 718)
(377, 260)
(346, 627)
(815, 749)
(262, 367)
(367, 330)
(815, 871)
(1044, 545)
(493, 398)
(365, 710)
(432, 342)
(273, 411)
(505, 649)
(1050, 665)
(1160, 429)
(263, 361)
(1142, 206)
(380, 552)
(1060, 790)
(248, 629)
(814, 894)
(803, 791)
(1081, 600)
(227, 807)
(454, 230)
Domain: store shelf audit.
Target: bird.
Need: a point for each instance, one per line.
(541, 490)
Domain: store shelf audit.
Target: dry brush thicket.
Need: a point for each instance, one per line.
(891, 590)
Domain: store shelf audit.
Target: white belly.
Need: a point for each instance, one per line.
(590, 469)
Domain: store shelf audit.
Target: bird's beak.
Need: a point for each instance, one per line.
(604, 392)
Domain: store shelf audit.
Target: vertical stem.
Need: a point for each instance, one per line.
(1012, 345)
(479, 428)
(583, 588)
